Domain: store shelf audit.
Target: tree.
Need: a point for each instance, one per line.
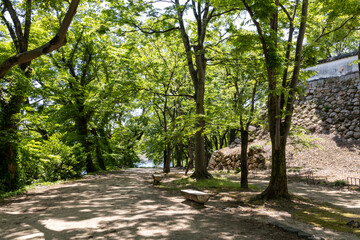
(248, 85)
(13, 95)
(334, 30)
(163, 76)
(265, 16)
(203, 13)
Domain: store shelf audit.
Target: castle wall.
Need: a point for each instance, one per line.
(332, 100)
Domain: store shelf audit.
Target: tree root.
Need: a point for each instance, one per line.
(200, 176)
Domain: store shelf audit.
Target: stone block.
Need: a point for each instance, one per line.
(196, 196)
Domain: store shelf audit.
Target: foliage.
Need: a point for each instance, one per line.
(124, 85)
(300, 139)
(50, 160)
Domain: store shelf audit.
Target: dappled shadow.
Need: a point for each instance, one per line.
(348, 200)
(320, 206)
(122, 205)
(343, 143)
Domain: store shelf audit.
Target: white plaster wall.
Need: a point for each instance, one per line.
(335, 68)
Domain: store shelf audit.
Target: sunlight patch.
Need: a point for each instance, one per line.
(61, 225)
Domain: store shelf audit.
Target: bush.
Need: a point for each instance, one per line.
(49, 160)
(340, 183)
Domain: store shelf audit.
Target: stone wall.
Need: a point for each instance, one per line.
(331, 105)
(229, 158)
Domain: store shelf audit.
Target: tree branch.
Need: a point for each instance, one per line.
(222, 13)
(258, 28)
(169, 95)
(335, 29)
(27, 22)
(11, 31)
(14, 18)
(152, 31)
(296, 71)
(55, 43)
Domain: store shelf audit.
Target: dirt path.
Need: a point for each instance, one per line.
(348, 200)
(342, 198)
(121, 205)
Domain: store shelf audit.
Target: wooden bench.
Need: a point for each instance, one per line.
(196, 196)
(157, 178)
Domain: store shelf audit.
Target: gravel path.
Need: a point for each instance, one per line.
(122, 205)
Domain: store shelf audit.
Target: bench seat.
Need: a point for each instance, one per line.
(196, 196)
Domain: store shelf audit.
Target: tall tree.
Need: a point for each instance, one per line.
(203, 13)
(15, 91)
(164, 75)
(265, 17)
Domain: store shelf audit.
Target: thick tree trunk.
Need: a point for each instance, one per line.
(203, 17)
(243, 158)
(8, 138)
(8, 134)
(278, 182)
(8, 128)
(200, 159)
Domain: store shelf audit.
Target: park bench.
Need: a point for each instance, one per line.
(157, 178)
(196, 196)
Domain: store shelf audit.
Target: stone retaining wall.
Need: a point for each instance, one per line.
(331, 106)
(229, 159)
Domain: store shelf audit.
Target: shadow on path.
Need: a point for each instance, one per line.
(121, 205)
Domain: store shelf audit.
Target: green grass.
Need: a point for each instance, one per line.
(325, 215)
(24, 189)
(320, 214)
(214, 183)
(208, 183)
(4, 195)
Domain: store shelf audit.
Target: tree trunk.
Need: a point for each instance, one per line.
(216, 143)
(83, 134)
(221, 141)
(208, 149)
(179, 153)
(243, 158)
(167, 158)
(82, 128)
(200, 159)
(278, 182)
(8, 128)
(8, 138)
(56, 42)
(191, 156)
(99, 156)
(232, 135)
